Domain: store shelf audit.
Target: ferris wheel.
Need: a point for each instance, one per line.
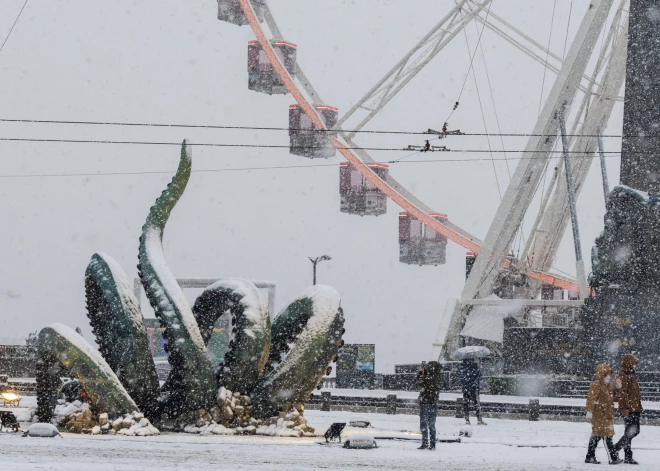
(315, 131)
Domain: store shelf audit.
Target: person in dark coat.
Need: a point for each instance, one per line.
(600, 412)
(429, 382)
(470, 379)
(630, 405)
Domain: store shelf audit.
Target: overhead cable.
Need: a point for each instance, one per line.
(277, 146)
(268, 128)
(242, 169)
(12, 26)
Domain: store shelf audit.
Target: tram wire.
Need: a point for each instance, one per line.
(238, 169)
(568, 26)
(467, 75)
(574, 154)
(547, 55)
(12, 26)
(481, 107)
(266, 128)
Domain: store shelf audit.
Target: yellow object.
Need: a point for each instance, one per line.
(10, 399)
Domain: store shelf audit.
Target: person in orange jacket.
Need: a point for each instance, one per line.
(600, 412)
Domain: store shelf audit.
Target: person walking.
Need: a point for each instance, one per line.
(600, 412)
(630, 405)
(429, 381)
(470, 379)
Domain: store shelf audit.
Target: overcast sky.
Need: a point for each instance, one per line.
(172, 61)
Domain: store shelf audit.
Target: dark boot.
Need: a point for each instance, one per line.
(423, 447)
(629, 460)
(591, 451)
(612, 451)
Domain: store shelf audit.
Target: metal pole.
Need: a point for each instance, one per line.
(581, 275)
(603, 168)
(314, 262)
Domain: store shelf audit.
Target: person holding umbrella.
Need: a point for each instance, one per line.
(470, 379)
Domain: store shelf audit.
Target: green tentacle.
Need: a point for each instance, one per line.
(295, 377)
(250, 338)
(192, 385)
(58, 343)
(117, 323)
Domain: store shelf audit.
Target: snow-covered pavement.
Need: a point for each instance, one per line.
(502, 445)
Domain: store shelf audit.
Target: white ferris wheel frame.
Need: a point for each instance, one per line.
(524, 182)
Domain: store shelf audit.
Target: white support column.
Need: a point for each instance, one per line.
(520, 192)
(554, 219)
(524, 182)
(603, 167)
(579, 262)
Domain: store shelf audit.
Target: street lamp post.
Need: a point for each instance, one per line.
(315, 261)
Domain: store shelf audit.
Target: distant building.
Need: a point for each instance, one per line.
(216, 347)
(15, 359)
(356, 366)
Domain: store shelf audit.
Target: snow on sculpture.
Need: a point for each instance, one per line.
(190, 385)
(59, 343)
(266, 369)
(117, 323)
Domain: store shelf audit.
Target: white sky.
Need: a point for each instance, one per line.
(172, 61)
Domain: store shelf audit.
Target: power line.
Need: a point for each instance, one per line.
(280, 146)
(483, 116)
(570, 12)
(240, 169)
(547, 55)
(12, 26)
(266, 128)
(467, 75)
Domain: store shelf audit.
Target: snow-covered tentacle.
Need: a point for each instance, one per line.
(288, 324)
(296, 376)
(191, 382)
(58, 343)
(249, 343)
(117, 323)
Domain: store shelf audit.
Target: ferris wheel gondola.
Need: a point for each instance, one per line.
(262, 76)
(357, 157)
(231, 11)
(358, 195)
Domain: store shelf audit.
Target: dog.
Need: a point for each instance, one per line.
(334, 432)
(8, 420)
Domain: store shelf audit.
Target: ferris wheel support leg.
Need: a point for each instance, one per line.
(520, 192)
(579, 262)
(529, 171)
(547, 233)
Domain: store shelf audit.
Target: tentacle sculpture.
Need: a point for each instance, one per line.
(250, 338)
(296, 376)
(117, 323)
(305, 337)
(59, 343)
(192, 383)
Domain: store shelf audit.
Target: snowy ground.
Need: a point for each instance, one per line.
(502, 445)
